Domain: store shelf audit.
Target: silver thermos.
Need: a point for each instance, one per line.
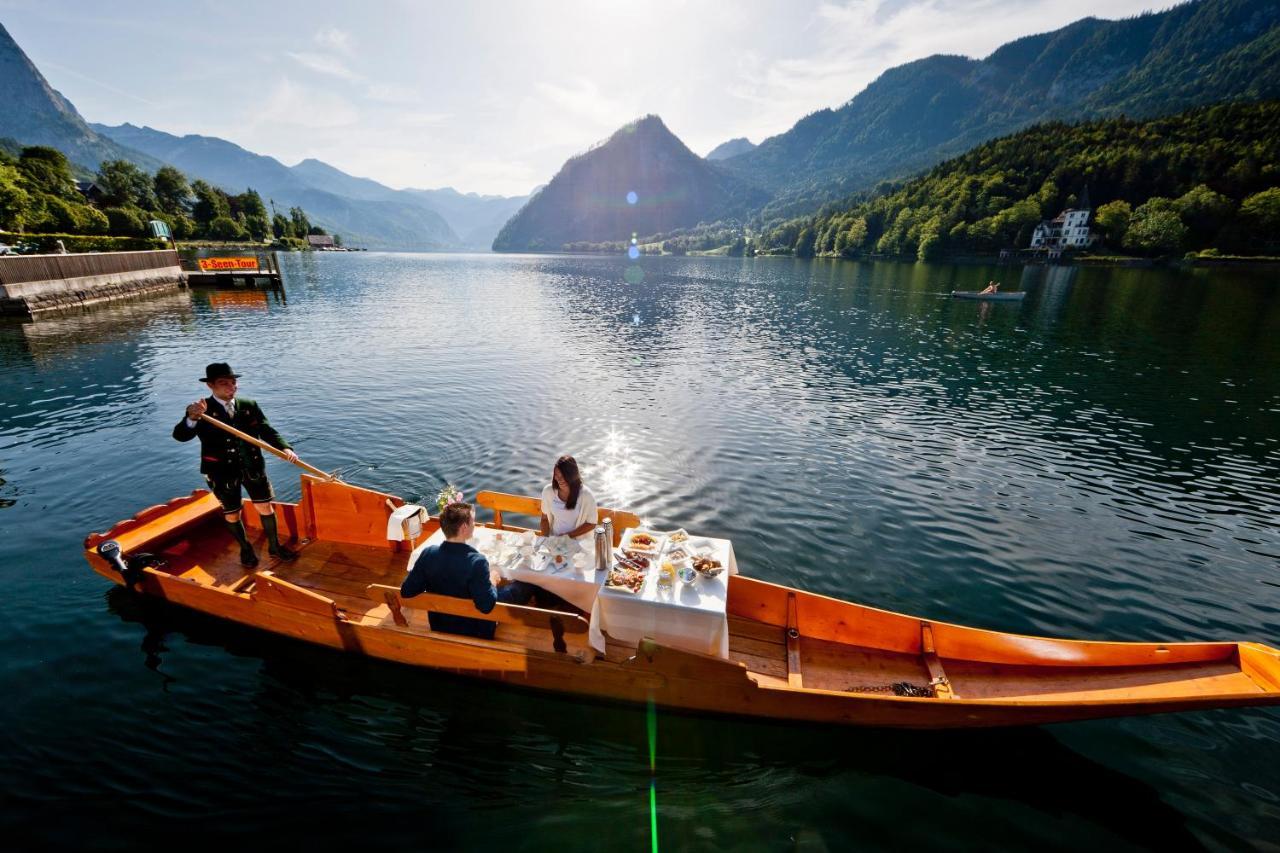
(608, 536)
(603, 547)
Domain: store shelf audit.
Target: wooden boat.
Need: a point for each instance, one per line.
(988, 297)
(793, 655)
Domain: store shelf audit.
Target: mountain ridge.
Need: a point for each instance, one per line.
(640, 180)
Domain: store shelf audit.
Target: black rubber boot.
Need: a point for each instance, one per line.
(274, 547)
(248, 558)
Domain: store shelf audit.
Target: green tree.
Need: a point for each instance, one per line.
(1204, 212)
(281, 227)
(1155, 228)
(125, 185)
(46, 171)
(226, 228)
(804, 244)
(299, 225)
(1112, 220)
(172, 192)
(125, 221)
(94, 221)
(15, 202)
(211, 203)
(1260, 213)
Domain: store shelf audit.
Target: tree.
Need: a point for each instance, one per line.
(1204, 212)
(1261, 215)
(46, 171)
(211, 203)
(281, 227)
(804, 244)
(1112, 220)
(125, 221)
(124, 184)
(337, 240)
(15, 202)
(300, 226)
(172, 192)
(1155, 228)
(226, 228)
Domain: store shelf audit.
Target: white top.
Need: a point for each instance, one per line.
(564, 519)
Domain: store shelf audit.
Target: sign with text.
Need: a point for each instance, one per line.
(227, 264)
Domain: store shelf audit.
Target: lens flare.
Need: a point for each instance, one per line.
(634, 275)
(633, 253)
(632, 198)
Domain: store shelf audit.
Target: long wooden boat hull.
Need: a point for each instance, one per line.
(988, 297)
(794, 655)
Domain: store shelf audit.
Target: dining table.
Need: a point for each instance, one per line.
(690, 616)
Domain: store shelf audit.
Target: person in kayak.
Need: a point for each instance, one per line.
(229, 464)
(455, 569)
(992, 287)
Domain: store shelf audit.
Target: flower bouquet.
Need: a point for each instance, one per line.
(450, 494)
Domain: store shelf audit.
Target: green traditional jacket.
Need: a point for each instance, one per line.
(222, 455)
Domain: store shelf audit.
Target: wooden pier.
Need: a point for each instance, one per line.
(242, 272)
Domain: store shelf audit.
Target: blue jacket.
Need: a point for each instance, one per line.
(458, 570)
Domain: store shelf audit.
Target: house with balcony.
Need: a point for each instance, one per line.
(1068, 230)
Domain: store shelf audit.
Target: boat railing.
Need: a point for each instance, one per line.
(501, 502)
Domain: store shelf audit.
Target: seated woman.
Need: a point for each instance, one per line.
(568, 507)
(991, 287)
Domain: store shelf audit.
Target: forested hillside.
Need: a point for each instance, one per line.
(1208, 178)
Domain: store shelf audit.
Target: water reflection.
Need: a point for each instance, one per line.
(1103, 461)
(505, 749)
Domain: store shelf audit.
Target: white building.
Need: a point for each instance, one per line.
(1068, 230)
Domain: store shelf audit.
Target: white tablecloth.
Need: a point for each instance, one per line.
(685, 616)
(690, 617)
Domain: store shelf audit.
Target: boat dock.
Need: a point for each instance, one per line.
(257, 271)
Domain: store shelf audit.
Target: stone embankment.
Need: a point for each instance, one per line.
(33, 284)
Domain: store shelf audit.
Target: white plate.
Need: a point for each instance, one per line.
(633, 532)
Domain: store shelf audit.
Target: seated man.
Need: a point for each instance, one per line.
(456, 569)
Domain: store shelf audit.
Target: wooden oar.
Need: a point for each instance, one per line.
(244, 436)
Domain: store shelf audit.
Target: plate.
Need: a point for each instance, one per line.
(653, 546)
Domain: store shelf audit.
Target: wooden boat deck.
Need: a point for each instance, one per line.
(342, 573)
(792, 654)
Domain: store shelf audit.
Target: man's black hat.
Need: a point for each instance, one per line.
(219, 370)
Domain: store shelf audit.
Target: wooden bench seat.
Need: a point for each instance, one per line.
(500, 502)
(530, 627)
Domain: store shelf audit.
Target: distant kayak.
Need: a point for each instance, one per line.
(990, 297)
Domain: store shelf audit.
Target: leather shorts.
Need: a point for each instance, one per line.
(227, 490)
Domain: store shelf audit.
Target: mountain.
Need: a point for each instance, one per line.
(641, 180)
(374, 220)
(732, 148)
(476, 218)
(33, 113)
(917, 114)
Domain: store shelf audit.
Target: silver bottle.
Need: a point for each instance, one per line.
(607, 523)
(602, 549)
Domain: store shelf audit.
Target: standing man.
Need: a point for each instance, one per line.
(229, 463)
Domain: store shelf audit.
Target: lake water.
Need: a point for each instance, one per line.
(1101, 460)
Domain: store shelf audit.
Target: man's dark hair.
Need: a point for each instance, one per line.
(453, 517)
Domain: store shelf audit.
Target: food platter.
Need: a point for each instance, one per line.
(707, 565)
(624, 579)
(640, 540)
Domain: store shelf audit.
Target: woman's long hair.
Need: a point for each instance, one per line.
(568, 468)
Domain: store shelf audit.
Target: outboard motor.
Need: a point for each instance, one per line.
(110, 551)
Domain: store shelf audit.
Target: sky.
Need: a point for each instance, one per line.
(486, 96)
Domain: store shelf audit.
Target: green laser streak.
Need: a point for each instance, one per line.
(651, 720)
